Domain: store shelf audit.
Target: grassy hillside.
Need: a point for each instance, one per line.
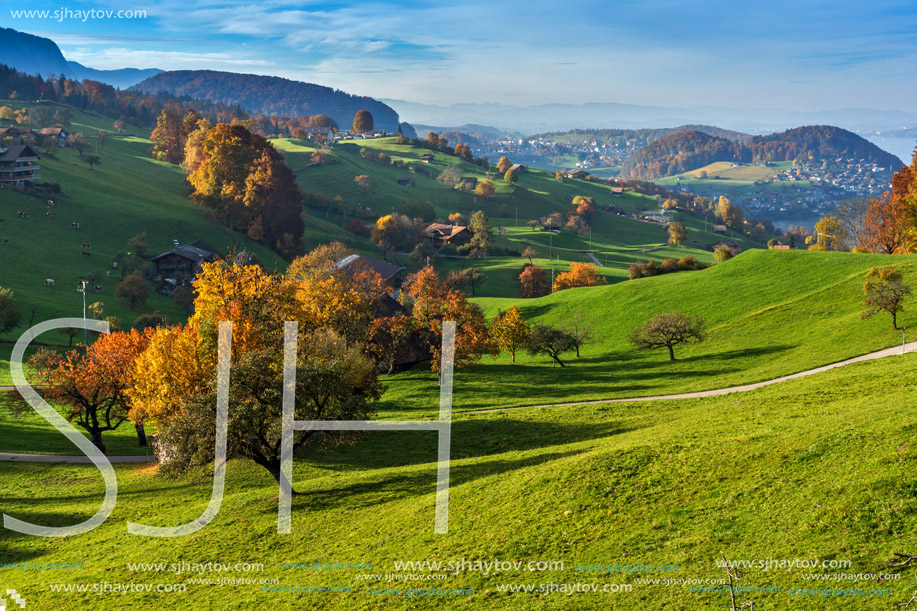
(818, 469)
(724, 179)
(769, 313)
(127, 194)
(615, 241)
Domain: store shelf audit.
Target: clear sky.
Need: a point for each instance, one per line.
(800, 54)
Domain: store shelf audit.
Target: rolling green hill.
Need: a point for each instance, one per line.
(616, 241)
(127, 194)
(769, 313)
(820, 469)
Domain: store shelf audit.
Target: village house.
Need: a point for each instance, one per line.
(439, 234)
(18, 166)
(518, 168)
(719, 229)
(391, 274)
(63, 137)
(184, 262)
(427, 158)
(617, 191)
(577, 174)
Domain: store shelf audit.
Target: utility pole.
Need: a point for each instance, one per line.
(903, 340)
(82, 289)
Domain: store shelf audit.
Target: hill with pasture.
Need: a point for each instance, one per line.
(128, 193)
(684, 151)
(270, 95)
(689, 481)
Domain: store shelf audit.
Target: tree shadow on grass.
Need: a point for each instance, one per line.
(588, 377)
(395, 487)
(471, 438)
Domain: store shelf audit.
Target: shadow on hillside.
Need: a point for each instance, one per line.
(387, 489)
(10, 554)
(471, 438)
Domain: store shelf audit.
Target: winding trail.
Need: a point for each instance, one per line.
(893, 351)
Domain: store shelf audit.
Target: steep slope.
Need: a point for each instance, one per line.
(270, 95)
(37, 55)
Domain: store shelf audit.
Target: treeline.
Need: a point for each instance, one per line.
(143, 110)
(692, 149)
(269, 95)
(436, 142)
(92, 96)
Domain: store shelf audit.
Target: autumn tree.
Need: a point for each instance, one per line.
(580, 274)
(434, 302)
(363, 122)
(550, 341)
(509, 331)
(457, 218)
(529, 253)
(578, 327)
(393, 232)
(533, 282)
(363, 181)
(884, 291)
(890, 219)
(451, 175)
(9, 311)
(559, 175)
(504, 164)
(485, 189)
(133, 289)
(830, 234)
(244, 179)
(723, 253)
(471, 277)
(677, 233)
(119, 125)
(668, 330)
(482, 233)
(510, 176)
(167, 138)
(730, 214)
(92, 386)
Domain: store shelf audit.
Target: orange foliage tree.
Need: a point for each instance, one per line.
(435, 302)
(891, 220)
(94, 385)
(580, 274)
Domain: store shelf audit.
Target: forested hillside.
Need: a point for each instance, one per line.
(269, 95)
(691, 149)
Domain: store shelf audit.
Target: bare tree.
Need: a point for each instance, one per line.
(852, 214)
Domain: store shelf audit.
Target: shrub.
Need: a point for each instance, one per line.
(358, 228)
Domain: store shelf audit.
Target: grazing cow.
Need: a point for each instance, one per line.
(6, 240)
(50, 214)
(86, 253)
(87, 246)
(97, 288)
(49, 281)
(108, 273)
(74, 225)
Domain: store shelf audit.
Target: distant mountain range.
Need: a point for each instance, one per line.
(688, 150)
(871, 123)
(270, 95)
(36, 55)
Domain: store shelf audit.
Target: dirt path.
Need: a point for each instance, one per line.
(896, 350)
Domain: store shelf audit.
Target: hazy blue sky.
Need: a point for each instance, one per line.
(796, 54)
